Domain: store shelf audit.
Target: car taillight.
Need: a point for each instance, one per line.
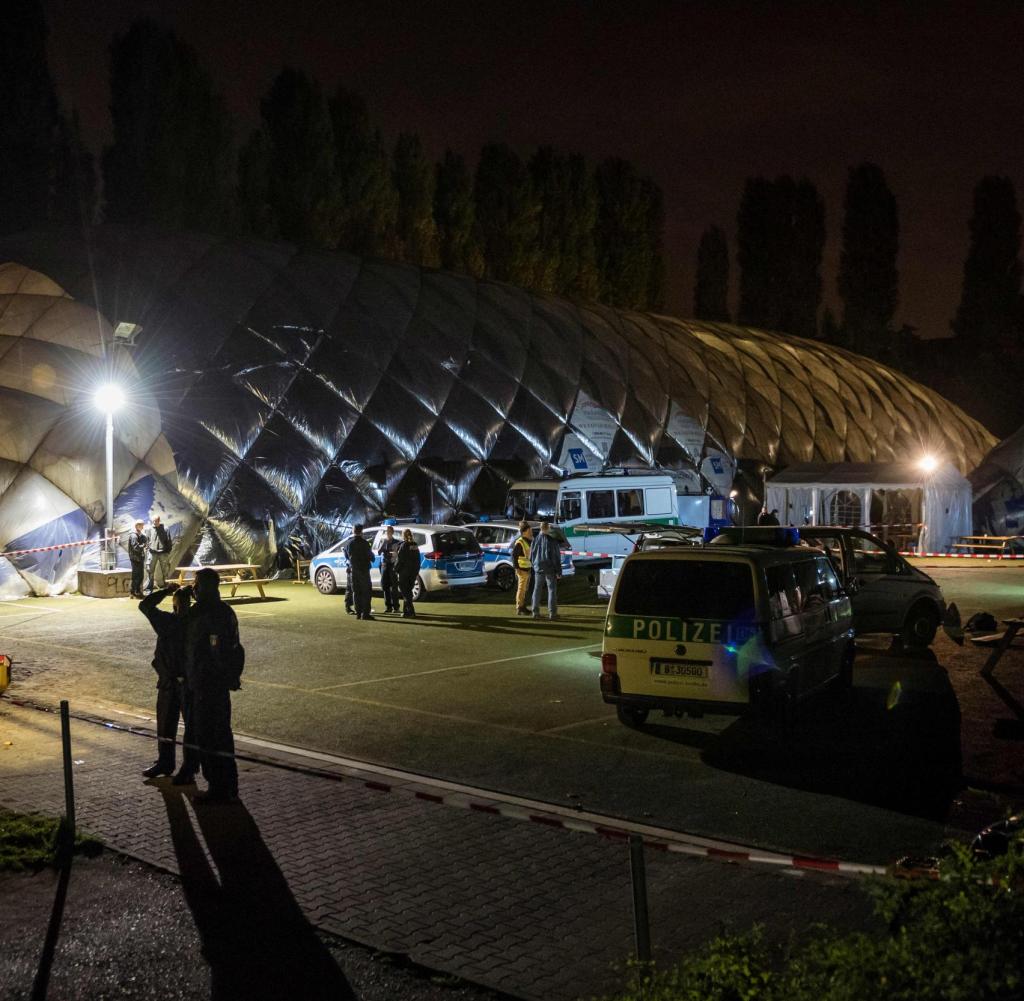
(437, 555)
(609, 663)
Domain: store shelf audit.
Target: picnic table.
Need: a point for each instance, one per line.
(1000, 643)
(998, 545)
(233, 575)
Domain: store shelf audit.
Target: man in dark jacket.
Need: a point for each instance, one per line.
(159, 554)
(546, 558)
(360, 559)
(138, 543)
(408, 564)
(213, 660)
(173, 698)
(388, 549)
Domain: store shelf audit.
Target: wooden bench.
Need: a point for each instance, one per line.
(237, 582)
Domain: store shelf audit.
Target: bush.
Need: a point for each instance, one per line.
(960, 938)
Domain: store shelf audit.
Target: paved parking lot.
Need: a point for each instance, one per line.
(469, 692)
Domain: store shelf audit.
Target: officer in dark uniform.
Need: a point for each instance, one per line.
(408, 565)
(349, 595)
(360, 559)
(213, 659)
(388, 550)
(138, 544)
(173, 698)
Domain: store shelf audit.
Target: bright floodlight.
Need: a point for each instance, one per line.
(109, 397)
(928, 463)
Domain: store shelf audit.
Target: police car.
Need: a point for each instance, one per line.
(450, 557)
(496, 539)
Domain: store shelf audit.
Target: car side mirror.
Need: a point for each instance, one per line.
(852, 586)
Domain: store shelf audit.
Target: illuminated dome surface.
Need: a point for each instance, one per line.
(302, 390)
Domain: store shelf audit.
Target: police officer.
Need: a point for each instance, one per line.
(408, 566)
(546, 557)
(360, 559)
(388, 551)
(213, 663)
(138, 543)
(174, 697)
(523, 567)
(159, 554)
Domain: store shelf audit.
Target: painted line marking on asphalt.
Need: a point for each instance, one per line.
(457, 667)
(580, 722)
(21, 607)
(72, 649)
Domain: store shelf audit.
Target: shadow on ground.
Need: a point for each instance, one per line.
(255, 938)
(892, 741)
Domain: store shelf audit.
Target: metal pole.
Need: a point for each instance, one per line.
(637, 871)
(109, 547)
(69, 782)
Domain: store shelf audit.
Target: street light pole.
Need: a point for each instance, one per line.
(109, 549)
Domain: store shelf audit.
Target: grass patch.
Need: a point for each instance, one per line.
(29, 841)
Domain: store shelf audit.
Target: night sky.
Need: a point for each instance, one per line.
(698, 95)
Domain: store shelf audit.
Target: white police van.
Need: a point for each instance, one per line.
(450, 557)
(496, 539)
(608, 498)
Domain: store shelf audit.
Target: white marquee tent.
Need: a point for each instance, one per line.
(933, 506)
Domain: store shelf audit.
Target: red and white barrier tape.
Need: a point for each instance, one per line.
(585, 552)
(48, 549)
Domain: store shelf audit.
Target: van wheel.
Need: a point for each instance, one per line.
(631, 716)
(325, 582)
(504, 578)
(919, 629)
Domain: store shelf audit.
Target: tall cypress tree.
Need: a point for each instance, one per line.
(507, 216)
(255, 214)
(455, 216)
(170, 161)
(369, 201)
(30, 122)
(711, 287)
(989, 315)
(868, 279)
(565, 191)
(414, 182)
(780, 240)
(298, 148)
(628, 237)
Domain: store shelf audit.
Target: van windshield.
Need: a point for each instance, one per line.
(686, 589)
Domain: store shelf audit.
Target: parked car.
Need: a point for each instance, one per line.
(889, 595)
(450, 557)
(496, 539)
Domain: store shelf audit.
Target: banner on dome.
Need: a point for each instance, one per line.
(686, 432)
(594, 426)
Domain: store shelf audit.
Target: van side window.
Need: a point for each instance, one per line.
(600, 503)
(659, 500)
(810, 585)
(784, 601)
(631, 503)
(570, 508)
(827, 580)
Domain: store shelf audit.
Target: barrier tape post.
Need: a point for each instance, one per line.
(638, 874)
(69, 782)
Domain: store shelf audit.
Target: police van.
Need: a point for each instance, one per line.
(579, 501)
(725, 629)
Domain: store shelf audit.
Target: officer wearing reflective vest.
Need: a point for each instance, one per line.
(521, 562)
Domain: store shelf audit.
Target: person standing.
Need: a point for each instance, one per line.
(388, 550)
(159, 554)
(138, 543)
(173, 695)
(408, 566)
(360, 559)
(523, 567)
(546, 559)
(214, 659)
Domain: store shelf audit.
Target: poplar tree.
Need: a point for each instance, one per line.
(507, 216)
(414, 182)
(711, 287)
(868, 279)
(455, 216)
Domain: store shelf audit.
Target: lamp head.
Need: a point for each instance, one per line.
(928, 463)
(109, 397)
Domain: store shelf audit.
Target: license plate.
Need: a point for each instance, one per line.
(690, 670)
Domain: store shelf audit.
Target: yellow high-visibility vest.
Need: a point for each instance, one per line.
(523, 554)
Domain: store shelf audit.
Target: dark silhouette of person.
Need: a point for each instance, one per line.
(360, 559)
(253, 934)
(213, 657)
(388, 550)
(138, 544)
(173, 694)
(770, 518)
(408, 566)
